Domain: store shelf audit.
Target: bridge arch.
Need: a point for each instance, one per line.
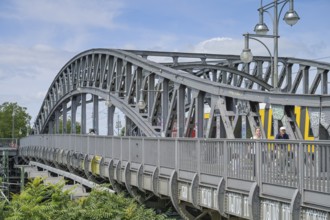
(176, 100)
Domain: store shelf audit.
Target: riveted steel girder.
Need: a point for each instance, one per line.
(177, 94)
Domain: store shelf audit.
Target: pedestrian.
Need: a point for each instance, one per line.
(282, 134)
(257, 134)
(251, 154)
(91, 132)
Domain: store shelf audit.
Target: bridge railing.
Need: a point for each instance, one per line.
(299, 165)
(9, 143)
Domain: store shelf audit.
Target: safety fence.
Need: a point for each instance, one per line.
(298, 164)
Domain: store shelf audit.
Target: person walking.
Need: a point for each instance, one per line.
(91, 131)
(257, 134)
(282, 134)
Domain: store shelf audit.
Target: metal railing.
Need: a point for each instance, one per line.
(296, 164)
(8, 143)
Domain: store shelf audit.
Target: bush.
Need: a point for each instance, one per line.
(49, 201)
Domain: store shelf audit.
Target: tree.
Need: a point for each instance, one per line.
(68, 126)
(122, 131)
(14, 121)
(49, 201)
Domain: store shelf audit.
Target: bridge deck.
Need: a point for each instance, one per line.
(244, 178)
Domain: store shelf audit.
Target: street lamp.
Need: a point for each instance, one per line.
(13, 124)
(142, 104)
(108, 102)
(247, 56)
(291, 18)
(261, 27)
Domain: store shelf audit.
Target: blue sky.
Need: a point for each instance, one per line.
(39, 36)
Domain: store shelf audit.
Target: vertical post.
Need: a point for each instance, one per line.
(127, 126)
(151, 93)
(180, 110)
(13, 124)
(138, 83)
(275, 33)
(22, 183)
(225, 160)
(164, 104)
(305, 80)
(111, 112)
(118, 125)
(83, 114)
(57, 121)
(128, 78)
(64, 118)
(50, 127)
(73, 114)
(96, 114)
(258, 162)
(199, 115)
(324, 82)
(243, 134)
(218, 125)
(301, 168)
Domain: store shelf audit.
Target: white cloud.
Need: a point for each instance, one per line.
(219, 45)
(66, 12)
(26, 73)
(287, 47)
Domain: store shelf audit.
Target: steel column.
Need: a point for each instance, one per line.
(165, 103)
(180, 110)
(111, 113)
(64, 116)
(83, 114)
(96, 114)
(73, 114)
(57, 121)
(199, 115)
(151, 93)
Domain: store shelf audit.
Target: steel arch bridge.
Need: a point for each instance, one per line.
(214, 98)
(177, 94)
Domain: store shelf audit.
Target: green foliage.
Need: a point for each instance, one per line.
(122, 131)
(12, 112)
(68, 126)
(47, 201)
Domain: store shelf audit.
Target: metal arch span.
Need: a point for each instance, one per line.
(208, 68)
(176, 100)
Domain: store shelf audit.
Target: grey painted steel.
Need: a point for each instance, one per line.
(119, 76)
(76, 178)
(236, 177)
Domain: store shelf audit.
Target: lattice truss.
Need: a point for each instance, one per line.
(177, 89)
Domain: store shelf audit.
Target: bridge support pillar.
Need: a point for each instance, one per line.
(174, 195)
(96, 114)
(111, 170)
(164, 103)
(199, 120)
(180, 110)
(295, 205)
(50, 127)
(65, 115)
(111, 113)
(73, 114)
(83, 114)
(254, 202)
(57, 121)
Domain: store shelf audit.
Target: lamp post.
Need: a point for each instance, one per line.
(142, 104)
(118, 125)
(13, 124)
(291, 18)
(246, 55)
